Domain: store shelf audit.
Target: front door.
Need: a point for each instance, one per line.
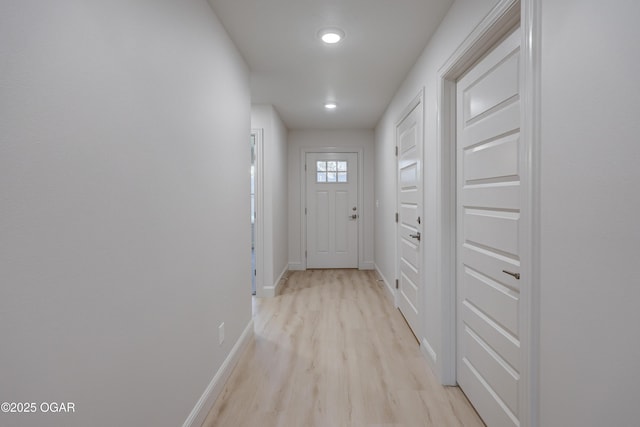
(409, 149)
(332, 210)
(489, 241)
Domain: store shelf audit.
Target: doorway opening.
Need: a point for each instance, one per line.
(253, 213)
(255, 194)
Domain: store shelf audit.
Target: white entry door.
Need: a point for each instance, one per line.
(489, 241)
(332, 210)
(409, 149)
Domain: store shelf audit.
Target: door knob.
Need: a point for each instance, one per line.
(354, 216)
(415, 236)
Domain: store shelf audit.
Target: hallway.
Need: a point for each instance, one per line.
(331, 350)
(125, 235)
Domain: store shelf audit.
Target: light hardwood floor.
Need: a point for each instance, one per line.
(332, 351)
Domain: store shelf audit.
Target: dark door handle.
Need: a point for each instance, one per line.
(516, 275)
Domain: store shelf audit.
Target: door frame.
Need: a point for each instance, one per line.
(498, 23)
(258, 134)
(416, 102)
(303, 197)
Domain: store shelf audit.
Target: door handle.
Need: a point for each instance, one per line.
(415, 236)
(354, 216)
(516, 275)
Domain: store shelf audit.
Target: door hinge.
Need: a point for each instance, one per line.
(305, 254)
(397, 283)
(305, 211)
(397, 217)
(305, 166)
(255, 272)
(396, 151)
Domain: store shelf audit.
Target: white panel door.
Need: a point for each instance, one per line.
(332, 210)
(409, 140)
(488, 249)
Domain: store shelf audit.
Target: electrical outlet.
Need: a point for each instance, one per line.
(221, 333)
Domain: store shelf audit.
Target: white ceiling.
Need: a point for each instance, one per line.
(293, 70)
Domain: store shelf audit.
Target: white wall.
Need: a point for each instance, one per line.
(460, 20)
(275, 173)
(123, 149)
(352, 139)
(590, 286)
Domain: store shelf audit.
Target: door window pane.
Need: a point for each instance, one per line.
(331, 171)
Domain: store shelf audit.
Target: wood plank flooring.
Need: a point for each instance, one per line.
(331, 351)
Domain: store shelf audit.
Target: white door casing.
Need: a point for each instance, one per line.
(489, 243)
(332, 211)
(409, 214)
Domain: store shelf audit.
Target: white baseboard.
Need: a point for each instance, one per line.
(431, 357)
(215, 387)
(272, 291)
(296, 266)
(391, 292)
(428, 352)
(367, 265)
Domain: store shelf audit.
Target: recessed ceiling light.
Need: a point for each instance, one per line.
(331, 35)
(330, 105)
